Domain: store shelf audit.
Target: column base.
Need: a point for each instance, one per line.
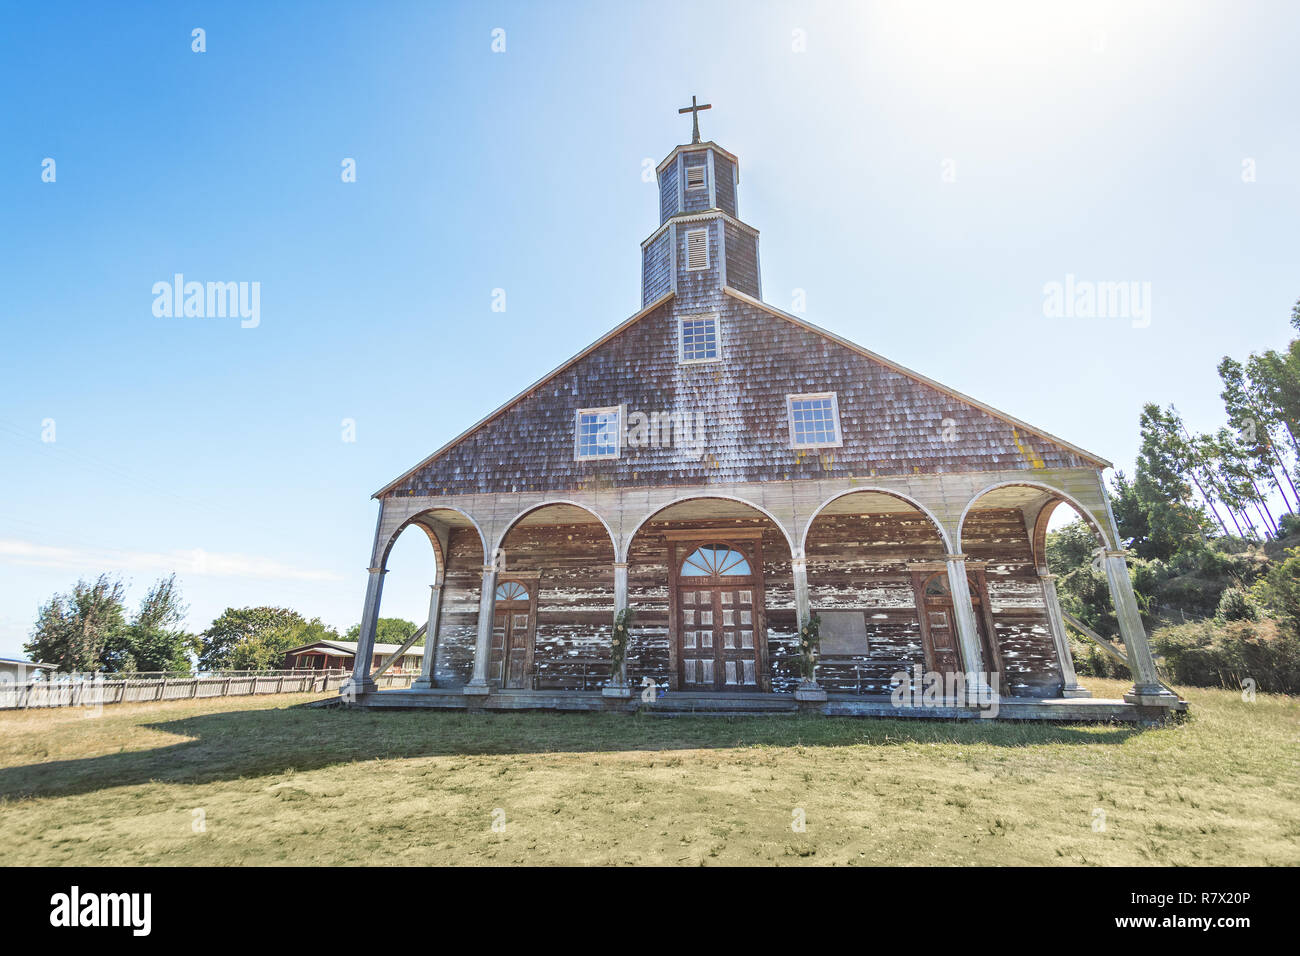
(354, 689)
(476, 696)
(1076, 692)
(810, 691)
(1146, 695)
(422, 683)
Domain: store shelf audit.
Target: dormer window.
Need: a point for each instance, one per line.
(697, 177)
(814, 420)
(697, 249)
(598, 433)
(697, 338)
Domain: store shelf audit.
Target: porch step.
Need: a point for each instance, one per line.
(654, 712)
(673, 705)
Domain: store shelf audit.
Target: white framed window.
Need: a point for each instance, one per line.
(697, 177)
(814, 420)
(697, 249)
(698, 339)
(598, 433)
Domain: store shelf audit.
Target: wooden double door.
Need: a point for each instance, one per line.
(718, 605)
(934, 605)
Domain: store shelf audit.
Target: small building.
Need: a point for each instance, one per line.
(727, 469)
(341, 655)
(18, 671)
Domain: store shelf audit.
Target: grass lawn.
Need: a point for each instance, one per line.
(280, 783)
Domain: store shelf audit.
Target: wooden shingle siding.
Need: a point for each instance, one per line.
(742, 260)
(668, 193)
(725, 189)
(656, 268)
(891, 423)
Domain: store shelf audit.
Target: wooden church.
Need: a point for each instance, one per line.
(727, 471)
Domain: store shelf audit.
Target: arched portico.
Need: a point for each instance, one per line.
(453, 534)
(1010, 518)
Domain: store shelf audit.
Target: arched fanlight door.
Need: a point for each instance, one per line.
(719, 616)
(511, 591)
(716, 561)
(510, 656)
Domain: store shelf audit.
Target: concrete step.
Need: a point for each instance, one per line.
(652, 712)
(723, 705)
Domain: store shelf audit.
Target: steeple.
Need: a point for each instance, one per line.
(700, 244)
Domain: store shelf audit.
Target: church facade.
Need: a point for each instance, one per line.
(727, 470)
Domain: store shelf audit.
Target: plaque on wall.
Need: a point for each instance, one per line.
(843, 633)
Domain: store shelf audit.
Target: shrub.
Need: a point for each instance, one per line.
(1236, 605)
(1223, 654)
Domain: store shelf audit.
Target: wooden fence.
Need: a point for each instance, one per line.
(95, 691)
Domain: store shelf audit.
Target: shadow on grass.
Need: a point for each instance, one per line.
(234, 745)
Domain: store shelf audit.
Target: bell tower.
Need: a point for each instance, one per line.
(701, 246)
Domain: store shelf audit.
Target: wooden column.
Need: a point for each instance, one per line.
(802, 599)
(809, 691)
(620, 605)
(968, 635)
(478, 685)
(1069, 681)
(1146, 682)
(361, 680)
(430, 662)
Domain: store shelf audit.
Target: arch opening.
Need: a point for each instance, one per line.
(871, 556)
(712, 582)
(1004, 531)
(554, 604)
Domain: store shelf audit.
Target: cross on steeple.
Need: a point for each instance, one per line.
(695, 117)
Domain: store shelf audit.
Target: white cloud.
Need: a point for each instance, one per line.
(191, 562)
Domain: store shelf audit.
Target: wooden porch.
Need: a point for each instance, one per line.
(683, 703)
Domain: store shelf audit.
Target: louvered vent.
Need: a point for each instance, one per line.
(697, 249)
(695, 177)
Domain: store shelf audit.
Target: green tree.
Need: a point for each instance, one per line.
(389, 630)
(1160, 485)
(1130, 517)
(1279, 590)
(265, 650)
(72, 630)
(154, 640)
(236, 626)
(1254, 421)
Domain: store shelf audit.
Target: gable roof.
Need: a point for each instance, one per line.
(612, 333)
(916, 376)
(778, 313)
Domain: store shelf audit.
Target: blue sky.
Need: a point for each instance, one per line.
(921, 171)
